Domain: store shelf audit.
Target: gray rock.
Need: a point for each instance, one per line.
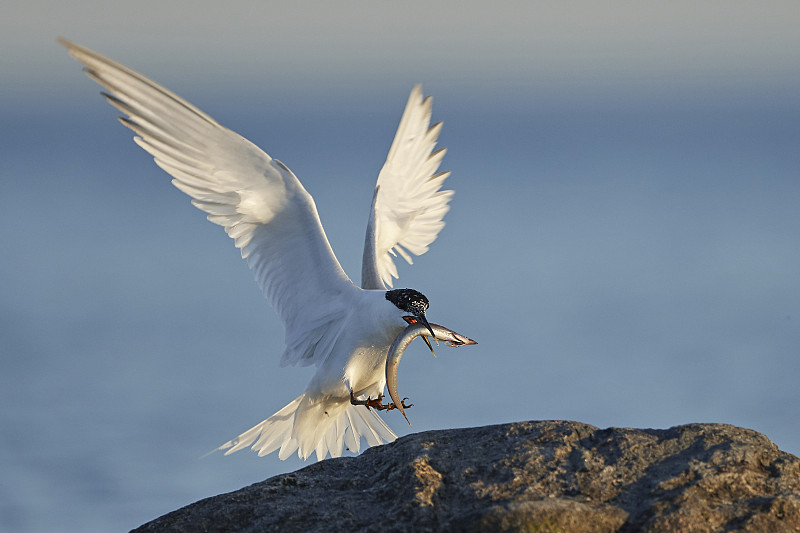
(527, 476)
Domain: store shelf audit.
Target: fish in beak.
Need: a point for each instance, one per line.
(420, 318)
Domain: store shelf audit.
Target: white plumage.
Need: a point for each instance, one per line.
(342, 329)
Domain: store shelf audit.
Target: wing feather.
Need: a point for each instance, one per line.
(408, 206)
(257, 199)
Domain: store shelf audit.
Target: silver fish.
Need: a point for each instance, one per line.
(412, 331)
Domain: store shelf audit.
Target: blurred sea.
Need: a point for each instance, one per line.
(622, 260)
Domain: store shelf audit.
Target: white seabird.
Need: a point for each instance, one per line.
(342, 329)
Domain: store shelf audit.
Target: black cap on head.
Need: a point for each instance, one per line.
(413, 302)
(408, 300)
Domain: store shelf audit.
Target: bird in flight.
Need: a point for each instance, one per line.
(342, 329)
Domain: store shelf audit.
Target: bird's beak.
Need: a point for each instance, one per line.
(424, 321)
(421, 318)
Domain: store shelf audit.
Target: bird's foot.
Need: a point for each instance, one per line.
(375, 403)
(369, 402)
(391, 406)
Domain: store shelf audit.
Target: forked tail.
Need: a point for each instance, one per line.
(306, 426)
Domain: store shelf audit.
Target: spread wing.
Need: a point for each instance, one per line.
(257, 199)
(408, 206)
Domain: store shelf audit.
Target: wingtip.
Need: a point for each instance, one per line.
(419, 97)
(66, 43)
(75, 50)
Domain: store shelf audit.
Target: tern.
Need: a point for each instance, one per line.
(342, 329)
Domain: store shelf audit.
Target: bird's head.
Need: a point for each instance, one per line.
(412, 302)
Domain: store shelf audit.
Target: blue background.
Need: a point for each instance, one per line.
(623, 242)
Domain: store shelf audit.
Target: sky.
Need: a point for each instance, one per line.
(623, 241)
(512, 45)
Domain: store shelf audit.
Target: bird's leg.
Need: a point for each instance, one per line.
(353, 400)
(375, 403)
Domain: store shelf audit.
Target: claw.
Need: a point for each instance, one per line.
(375, 403)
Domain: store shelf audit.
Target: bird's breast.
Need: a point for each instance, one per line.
(365, 368)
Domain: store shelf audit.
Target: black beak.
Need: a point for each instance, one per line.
(424, 321)
(421, 319)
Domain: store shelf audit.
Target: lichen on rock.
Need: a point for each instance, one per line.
(526, 476)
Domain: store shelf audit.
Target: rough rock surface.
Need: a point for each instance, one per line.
(527, 476)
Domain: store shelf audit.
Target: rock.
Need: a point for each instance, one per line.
(527, 476)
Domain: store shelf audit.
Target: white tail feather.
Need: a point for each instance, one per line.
(322, 427)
